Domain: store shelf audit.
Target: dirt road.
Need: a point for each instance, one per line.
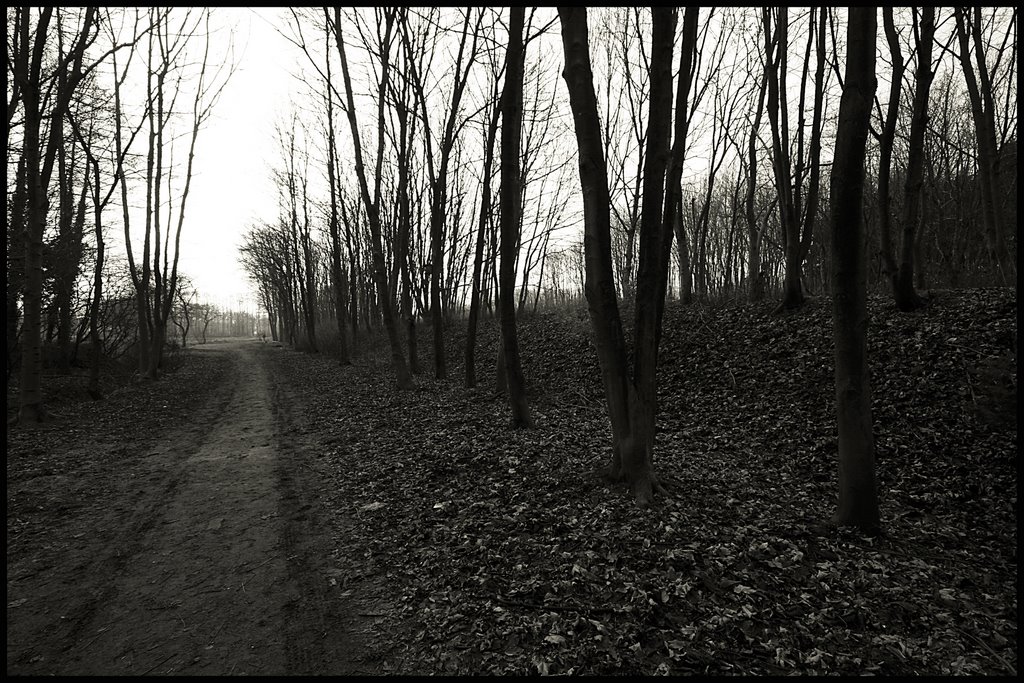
(207, 553)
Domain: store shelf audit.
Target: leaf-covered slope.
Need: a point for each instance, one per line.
(506, 554)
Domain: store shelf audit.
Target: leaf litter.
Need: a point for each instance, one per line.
(506, 553)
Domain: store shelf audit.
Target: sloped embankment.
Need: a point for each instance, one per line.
(503, 552)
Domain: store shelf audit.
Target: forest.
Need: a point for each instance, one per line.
(663, 314)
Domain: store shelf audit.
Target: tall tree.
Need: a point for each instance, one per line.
(755, 232)
(886, 140)
(168, 58)
(371, 203)
(42, 96)
(99, 203)
(906, 296)
(292, 182)
(338, 277)
(66, 250)
(490, 135)
(404, 108)
(901, 274)
(442, 147)
(632, 399)
(510, 208)
(858, 497)
(289, 180)
(797, 211)
(983, 110)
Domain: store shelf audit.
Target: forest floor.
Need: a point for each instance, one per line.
(261, 510)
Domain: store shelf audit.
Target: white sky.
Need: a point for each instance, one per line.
(231, 186)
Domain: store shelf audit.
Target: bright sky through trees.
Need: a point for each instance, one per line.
(232, 185)
(237, 149)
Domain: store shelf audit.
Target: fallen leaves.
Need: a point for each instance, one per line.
(504, 552)
(504, 544)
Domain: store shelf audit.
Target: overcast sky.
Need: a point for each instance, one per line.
(231, 187)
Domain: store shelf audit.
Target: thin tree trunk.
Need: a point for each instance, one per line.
(637, 457)
(885, 145)
(338, 278)
(754, 232)
(478, 258)
(18, 214)
(38, 169)
(907, 298)
(402, 376)
(683, 250)
(510, 204)
(599, 281)
(968, 26)
(632, 403)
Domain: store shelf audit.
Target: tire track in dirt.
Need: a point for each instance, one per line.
(313, 535)
(215, 569)
(74, 574)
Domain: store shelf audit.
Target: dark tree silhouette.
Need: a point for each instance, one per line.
(858, 498)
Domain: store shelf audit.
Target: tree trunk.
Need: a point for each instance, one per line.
(858, 498)
(402, 376)
(632, 405)
(979, 91)
(776, 47)
(907, 298)
(478, 258)
(338, 278)
(16, 231)
(885, 145)
(95, 392)
(510, 206)
(38, 170)
(64, 259)
(754, 232)
(655, 237)
(599, 283)
(402, 260)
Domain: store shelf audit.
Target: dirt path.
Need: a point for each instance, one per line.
(210, 556)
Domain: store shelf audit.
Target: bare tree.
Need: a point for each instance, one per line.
(371, 203)
(983, 110)
(205, 314)
(490, 135)
(755, 232)
(404, 109)
(858, 498)
(66, 250)
(338, 276)
(797, 212)
(510, 207)
(41, 96)
(438, 170)
(183, 311)
(901, 275)
(292, 180)
(118, 154)
(156, 277)
(631, 400)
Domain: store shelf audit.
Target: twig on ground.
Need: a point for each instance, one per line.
(1009, 667)
(158, 663)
